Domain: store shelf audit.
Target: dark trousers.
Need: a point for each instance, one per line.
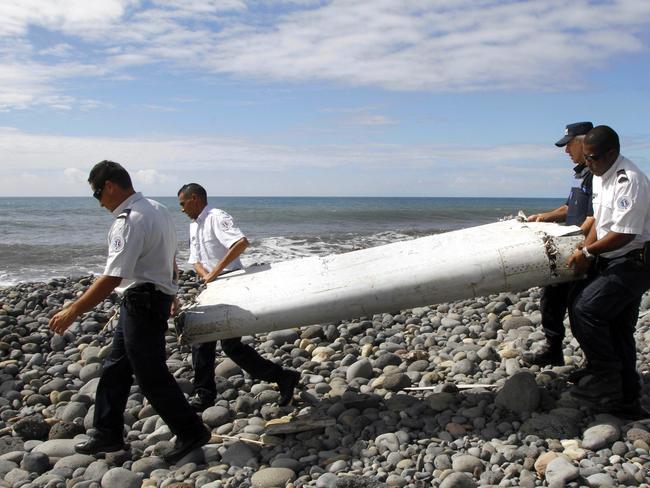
(247, 358)
(604, 310)
(138, 348)
(553, 305)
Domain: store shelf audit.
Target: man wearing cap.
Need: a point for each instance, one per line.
(575, 211)
(604, 308)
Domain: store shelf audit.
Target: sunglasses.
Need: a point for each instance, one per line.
(595, 157)
(98, 192)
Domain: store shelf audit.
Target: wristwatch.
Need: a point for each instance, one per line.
(587, 254)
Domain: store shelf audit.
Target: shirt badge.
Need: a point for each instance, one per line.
(226, 223)
(623, 203)
(117, 244)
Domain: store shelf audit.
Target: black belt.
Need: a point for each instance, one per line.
(142, 288)
(636, 254)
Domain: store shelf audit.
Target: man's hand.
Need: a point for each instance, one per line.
(63, 319)
(98, 291)
(175, 307)
(579, 262)
(535, 218)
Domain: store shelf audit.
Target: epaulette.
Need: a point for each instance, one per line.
(622, 176)
(125, 213)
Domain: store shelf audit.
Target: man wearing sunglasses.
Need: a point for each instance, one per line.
(215, 246)
(142, 246)
(604, 308)
(553, 303)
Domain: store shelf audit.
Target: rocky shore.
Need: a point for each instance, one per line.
(434, 396)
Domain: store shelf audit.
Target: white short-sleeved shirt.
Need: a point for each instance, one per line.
(142, 244)
(211, 235)
(621, 199)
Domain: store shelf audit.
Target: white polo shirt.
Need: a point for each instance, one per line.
(211, 235)
(142, 244)
(621, 199)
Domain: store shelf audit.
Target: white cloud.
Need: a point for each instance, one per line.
(394, 44)
(58, 165)
(75, 175)
(149, 177)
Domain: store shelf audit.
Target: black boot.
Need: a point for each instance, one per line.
(287, 383)
(100, 443)
(549, 355)
(604, 388)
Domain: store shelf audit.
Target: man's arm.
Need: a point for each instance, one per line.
(557, 215)
(233, 253)
(610, 242)
(98, 291)
(586, 228)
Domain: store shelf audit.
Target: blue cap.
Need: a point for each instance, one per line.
(572, 130)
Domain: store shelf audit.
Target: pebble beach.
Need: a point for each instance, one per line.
(435, 396)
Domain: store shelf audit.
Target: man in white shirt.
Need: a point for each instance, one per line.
(215, 246)
(142, 246)
(604, 307)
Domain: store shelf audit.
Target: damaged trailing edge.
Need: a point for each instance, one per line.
(552, 253)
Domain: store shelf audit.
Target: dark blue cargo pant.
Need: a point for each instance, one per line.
(603, 311)
(138, 349)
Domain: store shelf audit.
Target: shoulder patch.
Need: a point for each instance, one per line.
(623, 203)
(117, 243)
(226, 222)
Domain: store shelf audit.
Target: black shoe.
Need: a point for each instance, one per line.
(200, 402)
(186, 445)
(287, 384)
(599, 388)
(631, 410)
(550, 355)
(576, 375)
(99, 444)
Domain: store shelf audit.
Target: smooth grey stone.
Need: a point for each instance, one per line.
(96, 470)
(560, 470)
(360, 369)
(74, 461)
(388, 442)
(238, 454)
(440, 402)
(122, 477)
(227, 368)
(326, 480)
(6, 465)
(458, 480)
(396, 382)
(148, 464)
(272, 477)
(599, 436)
(512, 323)
(35, 462)
(216, 416)
(520, 393)
(280, 337)
(466, 463)
(73, 410)
(57, 448)
(600, 479)
(90, 371)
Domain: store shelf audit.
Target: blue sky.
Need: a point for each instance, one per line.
(314, 97)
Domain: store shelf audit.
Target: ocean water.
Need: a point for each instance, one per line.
(43, 238)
